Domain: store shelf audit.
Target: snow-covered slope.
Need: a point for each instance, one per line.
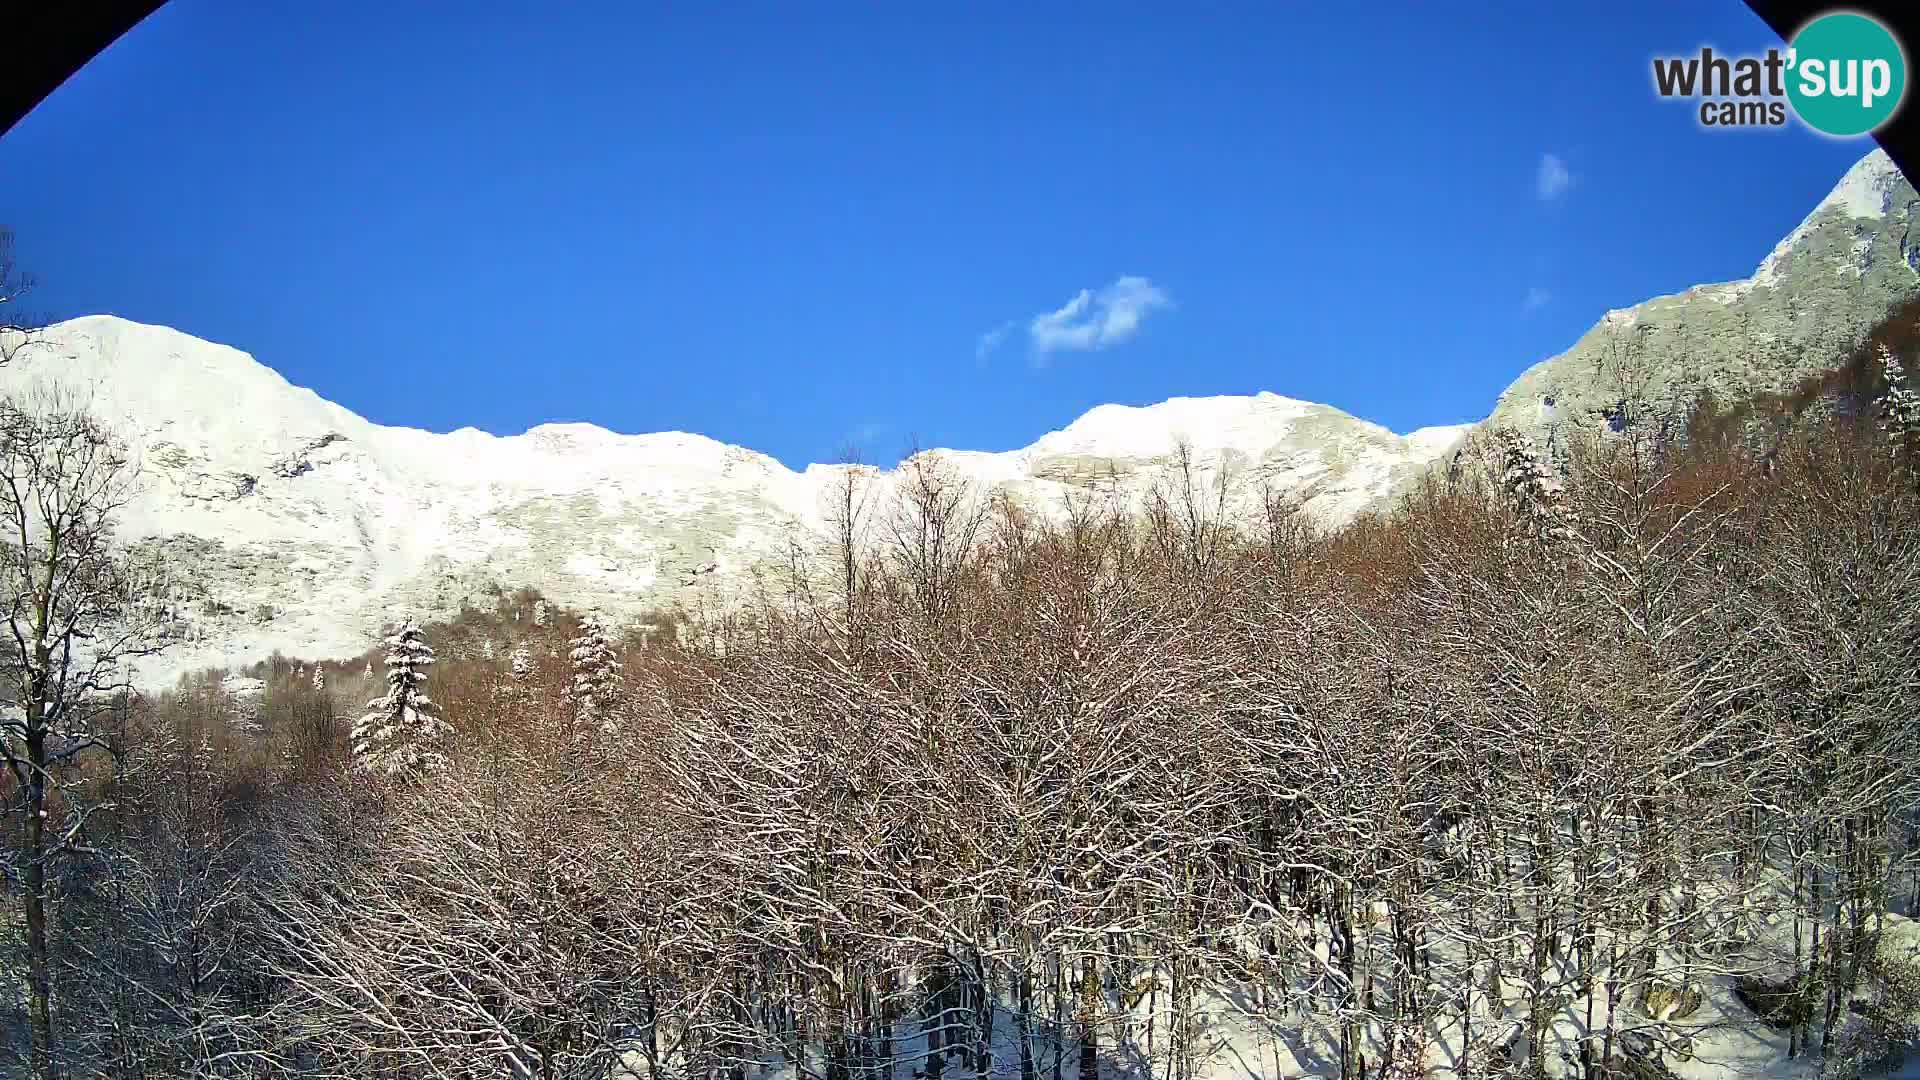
(294, 524)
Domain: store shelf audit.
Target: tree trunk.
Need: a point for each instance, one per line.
(983, 1019)
(39, 983)
(1023, 1017)
(1089, 1020)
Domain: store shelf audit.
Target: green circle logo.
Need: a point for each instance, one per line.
(1846, 74)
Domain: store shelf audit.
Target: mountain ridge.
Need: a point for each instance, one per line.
(1806, 305)
(297, 525)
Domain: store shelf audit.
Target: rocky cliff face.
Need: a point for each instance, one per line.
(1802, 311)
(294, 524)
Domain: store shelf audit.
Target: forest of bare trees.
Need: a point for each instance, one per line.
(1603, 775)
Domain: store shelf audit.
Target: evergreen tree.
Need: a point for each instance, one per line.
(595, 692)
(1899, 406)
(403, 732)
(515, 691)
(1538, 495)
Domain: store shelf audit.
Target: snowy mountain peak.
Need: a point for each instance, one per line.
(1867, 189)
(1818, 292)
(296, 525)
(1871, 190)
(1221, 423)
(571, 430)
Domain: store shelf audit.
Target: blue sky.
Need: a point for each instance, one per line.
(799, 226)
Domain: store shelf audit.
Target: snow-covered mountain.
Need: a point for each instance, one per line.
(294, 524)
(1802, 311)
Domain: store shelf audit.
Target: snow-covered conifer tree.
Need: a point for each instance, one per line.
(245, 713)
(1538, 495)
(595, 691)
(403, 732)
(514, 694)
(1900, 405)
(319, 679)
(514, 690)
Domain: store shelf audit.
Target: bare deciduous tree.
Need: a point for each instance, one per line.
(79, 610)
(19, 329)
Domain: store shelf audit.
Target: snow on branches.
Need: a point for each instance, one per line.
(597, 682)
(1899, 407)
(1538, 495)
(515, 692)
(402, 733)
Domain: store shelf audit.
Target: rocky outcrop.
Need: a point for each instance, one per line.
(1804, 309)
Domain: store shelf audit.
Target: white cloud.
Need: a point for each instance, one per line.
(1553, 179)
(1096, 320)
(991, 340)
(1537, 298)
